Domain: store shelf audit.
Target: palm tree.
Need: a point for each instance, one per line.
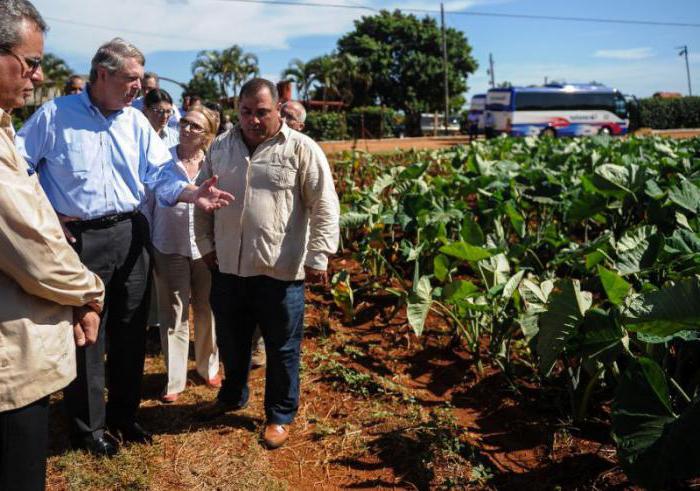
(324, 70)
(56, 70)
(300, 73)
(230, 67)
(352, 77)
(243, 66)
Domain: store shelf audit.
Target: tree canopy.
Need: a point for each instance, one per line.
(403, 54)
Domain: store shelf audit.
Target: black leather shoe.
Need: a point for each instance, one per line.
(132, 432)
(103, 446)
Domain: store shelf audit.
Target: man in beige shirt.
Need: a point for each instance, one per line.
(49, 301)
(279, 231)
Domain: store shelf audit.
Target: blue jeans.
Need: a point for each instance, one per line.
(239, 305)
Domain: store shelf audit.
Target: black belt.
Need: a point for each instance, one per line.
(105, 221)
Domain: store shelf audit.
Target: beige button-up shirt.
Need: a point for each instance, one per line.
(41, 279)
(285, 214)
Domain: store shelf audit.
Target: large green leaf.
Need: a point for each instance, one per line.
(441, 267)
(459, 290)
(615, 178)
(471, 232)
(516, 218)
(534, 298)
(637, 249)
(418, 304)
(666, 311)
(566, 308)
(353, 219)
(496, 270)
(615, 287)
(465, 252)
(654, 445)
(687, 196)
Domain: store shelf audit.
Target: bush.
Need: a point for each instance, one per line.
(371, 122)
(661, 114)
(326, 126)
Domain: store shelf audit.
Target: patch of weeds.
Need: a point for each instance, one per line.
(126, 470)
(353, 352)
(356, 382)
(322, 430)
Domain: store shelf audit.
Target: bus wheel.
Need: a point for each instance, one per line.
(549, 133)
(605, 131)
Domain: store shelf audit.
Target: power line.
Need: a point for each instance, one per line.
(473, 13)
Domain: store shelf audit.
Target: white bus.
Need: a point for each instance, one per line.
(476, 115)
(556, 110)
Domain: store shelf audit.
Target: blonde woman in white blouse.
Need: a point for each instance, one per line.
(183, 278)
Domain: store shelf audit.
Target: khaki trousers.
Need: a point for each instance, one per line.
(181, 282)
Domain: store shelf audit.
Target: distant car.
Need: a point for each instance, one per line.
(428, 120)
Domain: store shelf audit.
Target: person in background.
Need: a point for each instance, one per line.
(189, 100)
(158, 109)
(228, 124)
(149, 82)
(50, 301)
(263, 247)
(294, 115)
(96, 156)
(183, 277)
(74, 85)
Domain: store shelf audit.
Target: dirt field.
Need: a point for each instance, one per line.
(393, 144)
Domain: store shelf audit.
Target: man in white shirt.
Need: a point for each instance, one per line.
(279, 232)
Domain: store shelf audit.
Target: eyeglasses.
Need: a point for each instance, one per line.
(32, 64)
(161, 112)
(188, 125)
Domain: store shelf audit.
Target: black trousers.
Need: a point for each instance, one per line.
(24, 441)
(119, 255)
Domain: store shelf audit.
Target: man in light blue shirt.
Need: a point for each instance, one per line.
(95, 157)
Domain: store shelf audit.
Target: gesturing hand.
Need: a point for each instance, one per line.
(86, 324)
(209, 198)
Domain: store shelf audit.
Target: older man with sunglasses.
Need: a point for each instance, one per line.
(96, 156)
(50, 301)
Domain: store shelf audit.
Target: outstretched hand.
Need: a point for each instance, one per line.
(210, 198)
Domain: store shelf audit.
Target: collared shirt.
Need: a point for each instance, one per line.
(91, 165)
(173, 122)
(169, 136)
(41, 279)
(286, 212)
(172, 229)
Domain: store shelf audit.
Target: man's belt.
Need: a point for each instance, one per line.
(105, 221)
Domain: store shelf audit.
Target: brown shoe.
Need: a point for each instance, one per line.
(275, 435)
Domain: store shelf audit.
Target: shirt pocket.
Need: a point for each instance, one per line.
(282, 172)
(78, 157)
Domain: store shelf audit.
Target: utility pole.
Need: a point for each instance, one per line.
(490, 71)
(684, 52)
(444, 68)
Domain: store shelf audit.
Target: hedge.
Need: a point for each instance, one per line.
(371, 122)
(326, 126)
(662, 114)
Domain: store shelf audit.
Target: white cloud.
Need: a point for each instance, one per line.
(625, 54)
(80, 26)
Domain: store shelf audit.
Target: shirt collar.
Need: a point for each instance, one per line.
(6, 123)
(84, 98)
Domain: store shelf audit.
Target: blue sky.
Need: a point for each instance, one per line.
(636, 59)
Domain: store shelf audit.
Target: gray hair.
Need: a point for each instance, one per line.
(255, 85)
(111, 56)
(12, 12)
(152, 75)
(297, 108)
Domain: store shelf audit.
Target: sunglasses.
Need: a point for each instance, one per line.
(32, 64)
(186, 124)
(161, 112)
